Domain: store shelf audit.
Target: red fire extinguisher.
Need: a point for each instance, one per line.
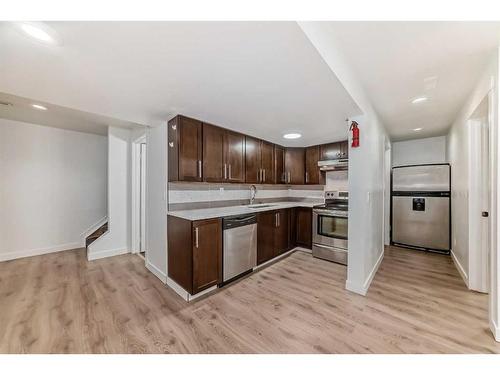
(355, 134)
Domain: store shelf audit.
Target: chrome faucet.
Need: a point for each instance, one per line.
(253, 192)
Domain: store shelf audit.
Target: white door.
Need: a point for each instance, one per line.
(142, 224)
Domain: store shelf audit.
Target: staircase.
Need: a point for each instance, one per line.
(96, 234)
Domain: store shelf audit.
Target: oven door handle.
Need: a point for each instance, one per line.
(323, 246)
(328, 213)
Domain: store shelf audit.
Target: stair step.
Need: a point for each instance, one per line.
(96, 234)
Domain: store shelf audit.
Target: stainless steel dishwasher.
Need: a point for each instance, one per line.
(240, 245)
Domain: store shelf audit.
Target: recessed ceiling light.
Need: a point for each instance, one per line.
(417, 129)
(40, 107)
(39, 31)
(420, 99)
(292, 135)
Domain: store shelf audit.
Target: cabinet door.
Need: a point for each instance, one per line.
(279, 164)
(267, 162)
(281, 233)
(266, 222)
(207, 254)
(295, 165)
(190, 150)
(234, 156)
(313, 174)
(213, 153)
(330, 151)
(252, 160)
(303, 227)
(344, 149)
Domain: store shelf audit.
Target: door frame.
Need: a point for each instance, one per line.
(478, 279)
(136, 193)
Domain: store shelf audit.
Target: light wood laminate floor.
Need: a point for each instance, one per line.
(60, 303)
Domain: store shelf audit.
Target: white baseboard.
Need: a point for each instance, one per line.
(460, 269)
(495, 330)
(363, 289)
(178, 289)
(106, 253)
(34, 252)
(157, 272)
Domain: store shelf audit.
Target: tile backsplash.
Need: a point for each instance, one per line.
(337, 180)
(182, 196)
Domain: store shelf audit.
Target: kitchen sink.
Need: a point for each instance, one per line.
(260, 205)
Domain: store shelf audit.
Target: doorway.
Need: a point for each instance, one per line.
(479, 197)
(139, 148)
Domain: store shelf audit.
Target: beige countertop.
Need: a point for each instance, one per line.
(210, 213)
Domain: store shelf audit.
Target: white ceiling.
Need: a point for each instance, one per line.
(261, 78)
(393, 60)
(20, 109)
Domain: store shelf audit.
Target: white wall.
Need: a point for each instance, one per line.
(53, 188)
(118, 238)
(156, 204)
(419, 151)
(366, 168)
(458, 156)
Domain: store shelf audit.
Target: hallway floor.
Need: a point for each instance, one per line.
(60, 303)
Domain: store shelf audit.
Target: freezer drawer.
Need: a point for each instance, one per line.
(421, 178)
(421, 221)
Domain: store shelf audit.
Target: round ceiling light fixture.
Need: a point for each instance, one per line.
(420, 99)
(292, 135)
(39, 106)
(38, 31)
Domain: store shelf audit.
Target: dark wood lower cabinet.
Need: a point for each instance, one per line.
(266, 225)
(273, 234)
(195, 253)
(303, 227)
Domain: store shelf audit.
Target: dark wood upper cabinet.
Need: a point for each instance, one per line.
(223, 155)
(267, 162)
(207, 254)
(259, 157)
(194, 253)
(234, 156)
(203, 152)
(295, 165)
(279, 164)
(213, 153)
(185, 149)
(252, 160)
(303, 227)
(313, 174)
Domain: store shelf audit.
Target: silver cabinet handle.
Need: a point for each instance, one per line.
(199, 168)
(276, 220)
(289, 177)
(229, 171)
(225, 171)
(307, 177)
(264, 174)
(196, 237)
(279, 218)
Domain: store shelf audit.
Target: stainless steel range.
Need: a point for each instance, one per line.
(330, 227)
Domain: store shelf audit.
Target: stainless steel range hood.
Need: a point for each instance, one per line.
(333, 165)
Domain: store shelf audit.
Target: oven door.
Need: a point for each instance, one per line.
(329, 229)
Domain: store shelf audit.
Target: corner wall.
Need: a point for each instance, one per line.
(366, 167)
(457, 145)
(118, 238)
(52, 188)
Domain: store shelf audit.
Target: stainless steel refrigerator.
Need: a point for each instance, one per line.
(420, 207)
